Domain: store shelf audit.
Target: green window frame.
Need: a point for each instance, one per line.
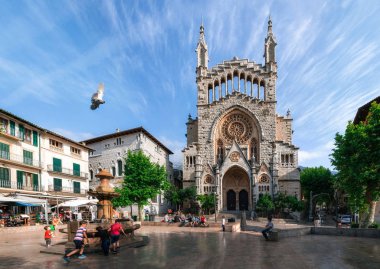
(12, 128)
(35, 138)
(20, 179)
(21, 132)
(35, 182)
(76, 187)
(76, 169)
(5, 180)
(28, 157)
(57, 165)
(57, 184)
(4, 151)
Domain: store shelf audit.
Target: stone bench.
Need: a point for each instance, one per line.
(273, 235)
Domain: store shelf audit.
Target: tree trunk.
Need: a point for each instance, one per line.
(140, 212)
(131, 211)
(371, 213)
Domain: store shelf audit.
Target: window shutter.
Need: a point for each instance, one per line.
(76, 168)
(4, 151)
(21, 131)
(28, 157)
(13, 128)
(35, 138)
(57, 184)
(57, 165)
(35, 182)
(76, 187)
(4, 178)
(20, 179)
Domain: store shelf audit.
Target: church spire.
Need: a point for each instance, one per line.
(270, 44)
(202, 51)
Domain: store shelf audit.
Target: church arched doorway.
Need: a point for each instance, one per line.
(236, 189)
(243, 200)
(231, 200)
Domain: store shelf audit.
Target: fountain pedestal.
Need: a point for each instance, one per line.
(104, 193)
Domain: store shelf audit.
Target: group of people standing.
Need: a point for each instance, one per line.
(109, 238)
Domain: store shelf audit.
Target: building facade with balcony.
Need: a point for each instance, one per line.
(35, 161)
(110, 150)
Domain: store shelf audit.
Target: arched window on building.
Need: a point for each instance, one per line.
(220, 151)
(119, 168)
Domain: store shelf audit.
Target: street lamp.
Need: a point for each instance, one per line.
(215, 204)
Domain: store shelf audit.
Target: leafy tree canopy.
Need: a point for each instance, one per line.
(356, 158)
(178, 196)
(143, 180)
(265, 203)
(318, 180)
(206, 201)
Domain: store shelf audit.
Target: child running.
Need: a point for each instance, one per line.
(48, 236)
(78, 241)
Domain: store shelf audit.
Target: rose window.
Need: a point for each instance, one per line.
(236, 127)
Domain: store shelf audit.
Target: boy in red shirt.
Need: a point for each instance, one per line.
(48, 236)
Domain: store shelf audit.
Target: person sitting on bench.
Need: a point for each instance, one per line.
(268, 228)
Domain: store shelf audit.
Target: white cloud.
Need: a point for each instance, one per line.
(73, 135)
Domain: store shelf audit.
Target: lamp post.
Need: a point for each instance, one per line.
(215, 205)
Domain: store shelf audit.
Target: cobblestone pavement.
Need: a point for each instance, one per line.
(180, 247)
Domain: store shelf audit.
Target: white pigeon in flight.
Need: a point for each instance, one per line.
(97, 98)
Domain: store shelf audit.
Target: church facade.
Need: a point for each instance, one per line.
(237, 146)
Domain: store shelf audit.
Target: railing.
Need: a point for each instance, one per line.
(18, 186)
(19, 159)
(66, 189)
(9, 135)
(288, 165)
(67, 171)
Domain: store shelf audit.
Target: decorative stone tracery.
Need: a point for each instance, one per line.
(236, 126)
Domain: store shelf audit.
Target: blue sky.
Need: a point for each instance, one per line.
(53, 55)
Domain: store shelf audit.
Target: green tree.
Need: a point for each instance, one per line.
(143, 180)
(318, 180)
(265, 203)
(207, 202)
(356, 157)
(179, 196)
(289, 202)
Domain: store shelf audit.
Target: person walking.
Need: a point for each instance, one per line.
(268, 228)
(105, 239)
(115, 230)
(48, 236)
(224, 223)
(80, 235)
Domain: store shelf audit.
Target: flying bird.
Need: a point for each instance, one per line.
(97, 98)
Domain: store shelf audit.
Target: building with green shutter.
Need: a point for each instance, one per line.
(40, 163)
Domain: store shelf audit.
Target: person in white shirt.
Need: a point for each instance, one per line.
(224, 223)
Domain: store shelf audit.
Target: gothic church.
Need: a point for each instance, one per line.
(238, 147)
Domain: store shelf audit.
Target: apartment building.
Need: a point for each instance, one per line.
(109, 152)
(37, 162)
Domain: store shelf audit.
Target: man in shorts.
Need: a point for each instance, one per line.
(115, 230)
(80, 235)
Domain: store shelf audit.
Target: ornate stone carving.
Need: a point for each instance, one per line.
(234, 156)
(208, 179)
(264, 179)
(237, 127)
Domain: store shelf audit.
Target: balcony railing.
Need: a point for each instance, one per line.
(66, 189)
(4, 155)
(66, 171)
(7, 134)
(18, 186)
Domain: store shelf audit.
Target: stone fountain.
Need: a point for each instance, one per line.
(104, 193)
